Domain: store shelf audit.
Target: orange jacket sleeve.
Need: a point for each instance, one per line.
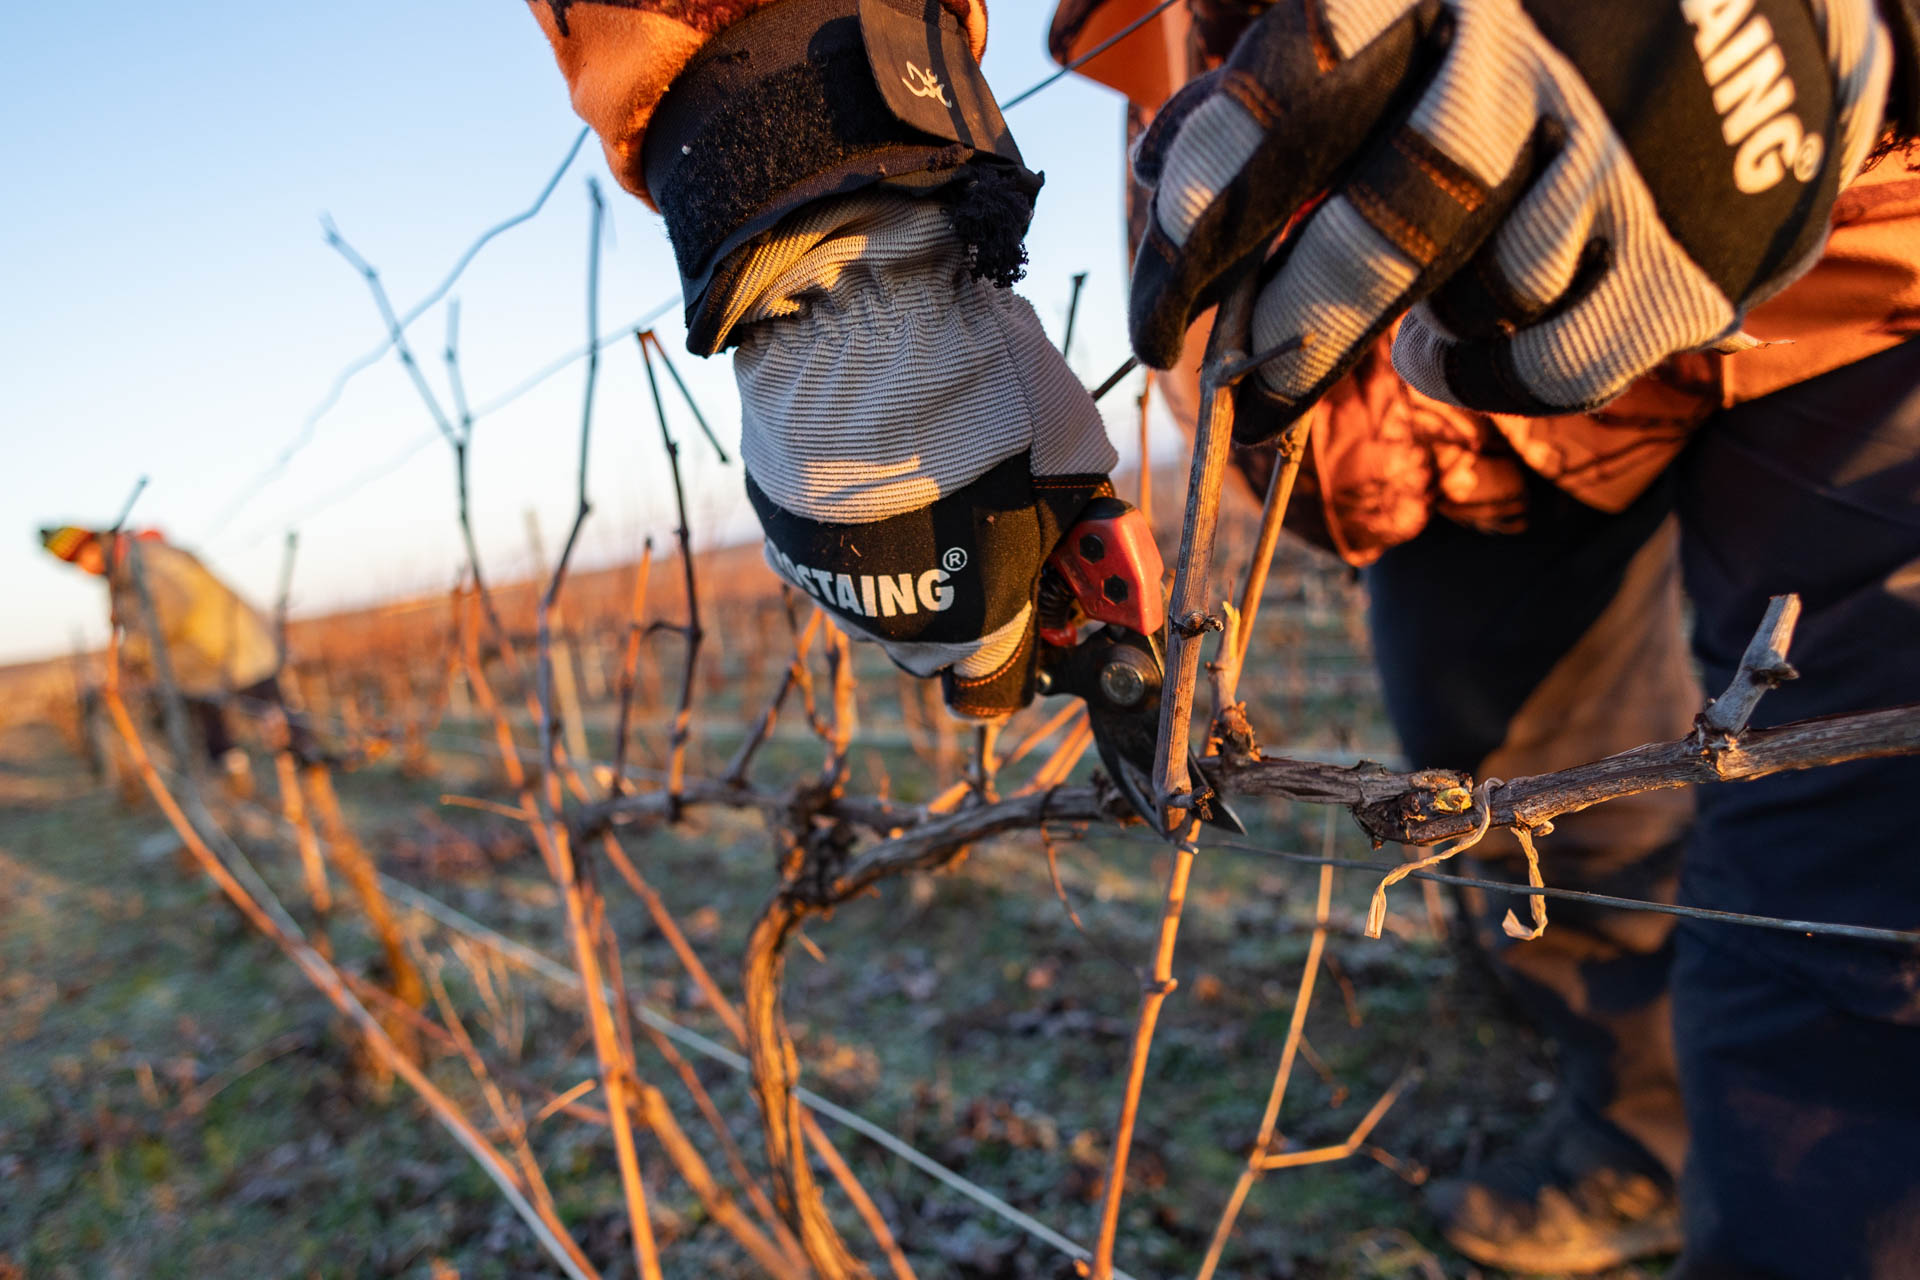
(1385, 459)
(620, 58)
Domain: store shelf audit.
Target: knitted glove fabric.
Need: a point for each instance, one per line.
(1570, 192)
(913, 442)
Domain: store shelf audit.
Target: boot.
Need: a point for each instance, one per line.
(1575, 1197)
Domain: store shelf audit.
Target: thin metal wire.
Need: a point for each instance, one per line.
(693, 406)
(389, 466)
(515, 393)
(552, 971)
(237, 864)
(1090, 54)
(606, 340)
(1860, 932)
(379, 471)
(1127, 366)
(305, 435)
(1818, 928)
(373, 355)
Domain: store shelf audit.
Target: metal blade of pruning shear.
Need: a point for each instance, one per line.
(1118, 673)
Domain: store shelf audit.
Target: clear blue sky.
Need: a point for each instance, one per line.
(171, 309)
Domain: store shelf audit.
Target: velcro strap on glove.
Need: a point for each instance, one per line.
(945, 574)
(811, 98)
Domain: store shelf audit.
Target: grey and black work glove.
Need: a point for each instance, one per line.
(847, 208)
(914, 444)
(1570, 191)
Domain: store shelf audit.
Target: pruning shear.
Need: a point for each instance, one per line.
(1107, 570)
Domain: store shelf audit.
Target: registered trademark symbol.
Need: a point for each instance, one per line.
(955, 559)
(1806, 161)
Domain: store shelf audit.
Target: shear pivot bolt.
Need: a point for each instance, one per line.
(1122, 684)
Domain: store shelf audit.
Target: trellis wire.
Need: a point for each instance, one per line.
(464, 745)
(360, 363)
(556, 974)
(1089, 55)
(371, 357)
(559, 975)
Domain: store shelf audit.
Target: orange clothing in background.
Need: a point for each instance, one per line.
(216, 642)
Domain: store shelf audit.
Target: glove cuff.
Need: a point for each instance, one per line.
(812, 98)
(1000, 692)
(944, 587)
(945, 574)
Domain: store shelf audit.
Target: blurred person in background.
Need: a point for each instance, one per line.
(1606, 301)
(221, 652)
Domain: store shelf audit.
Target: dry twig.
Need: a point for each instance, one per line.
(618, 1077)
(690, 630)
(1187, 616)
(265, 914)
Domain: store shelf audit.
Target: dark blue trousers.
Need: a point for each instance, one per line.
(1798, 1058)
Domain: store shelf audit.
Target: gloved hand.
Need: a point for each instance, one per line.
(846, 206)
(914, 445)
(1570, 191)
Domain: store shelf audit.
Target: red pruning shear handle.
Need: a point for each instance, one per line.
(1107, 570)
